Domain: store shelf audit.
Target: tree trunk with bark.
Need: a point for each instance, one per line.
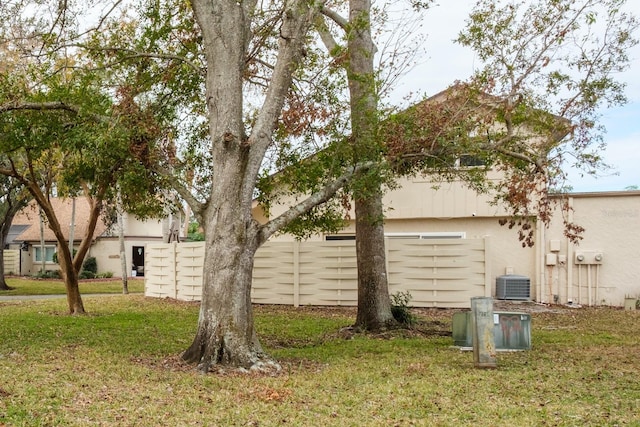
(124, 268)
(71, 280)
(225, 333)
(15, 199)
(69, 265)
(5, 225)
(374, 304)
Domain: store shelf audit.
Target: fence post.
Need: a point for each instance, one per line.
(296, 273)
(174, 261)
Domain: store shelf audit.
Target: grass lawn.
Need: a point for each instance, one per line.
(29, 286)
(120, 366)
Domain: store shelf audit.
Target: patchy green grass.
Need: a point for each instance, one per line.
(120, 366)
(29, 286)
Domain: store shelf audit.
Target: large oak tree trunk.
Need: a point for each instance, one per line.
(225, 334)
(374, 305)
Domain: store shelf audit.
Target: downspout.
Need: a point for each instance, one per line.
(579, 284)
(589, 285)
(540, 263)
(597, 293)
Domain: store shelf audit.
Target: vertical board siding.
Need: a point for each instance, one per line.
(437, 273)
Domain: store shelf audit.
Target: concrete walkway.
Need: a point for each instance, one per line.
(41, 297)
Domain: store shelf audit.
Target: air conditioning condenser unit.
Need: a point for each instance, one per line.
(513, 287)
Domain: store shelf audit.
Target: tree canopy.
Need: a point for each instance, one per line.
(69, 129)
(213, 96)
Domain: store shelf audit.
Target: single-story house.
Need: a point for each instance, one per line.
(25, 235)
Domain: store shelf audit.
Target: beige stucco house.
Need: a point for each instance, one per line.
(601, 269)
(26, 238)
(447, 245)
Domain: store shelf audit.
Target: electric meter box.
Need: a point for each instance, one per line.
(512, 330)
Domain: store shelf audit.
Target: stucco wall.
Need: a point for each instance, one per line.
(107, 253)
(611, 222)
(612, 227)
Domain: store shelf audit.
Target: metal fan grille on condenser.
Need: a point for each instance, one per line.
(513, 287)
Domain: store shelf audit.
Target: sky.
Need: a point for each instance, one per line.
(444, 61)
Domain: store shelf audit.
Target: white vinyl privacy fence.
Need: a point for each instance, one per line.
(11, 261)
(437, 273)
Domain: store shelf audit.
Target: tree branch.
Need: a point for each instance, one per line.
(132, 54)
(329, 190)
(325, 35)
(335, 17)
(294, 28)
(49, 106)
(197, 207)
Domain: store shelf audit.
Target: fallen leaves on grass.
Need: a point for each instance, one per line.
(265, 393)
(172, 363)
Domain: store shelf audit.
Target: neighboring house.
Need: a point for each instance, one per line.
(601, 269)
(25, 235)
(444, 246)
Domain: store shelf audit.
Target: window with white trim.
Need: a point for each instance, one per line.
(48, 253)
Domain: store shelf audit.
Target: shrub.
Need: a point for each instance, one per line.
(400, 309)
(105, 275)
(47, 274)
(90, 264)
(84, 274)
(55, 256)
(89, 268)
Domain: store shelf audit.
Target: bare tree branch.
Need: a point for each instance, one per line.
(317, 198)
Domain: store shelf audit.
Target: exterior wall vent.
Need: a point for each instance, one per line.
(513, 287)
